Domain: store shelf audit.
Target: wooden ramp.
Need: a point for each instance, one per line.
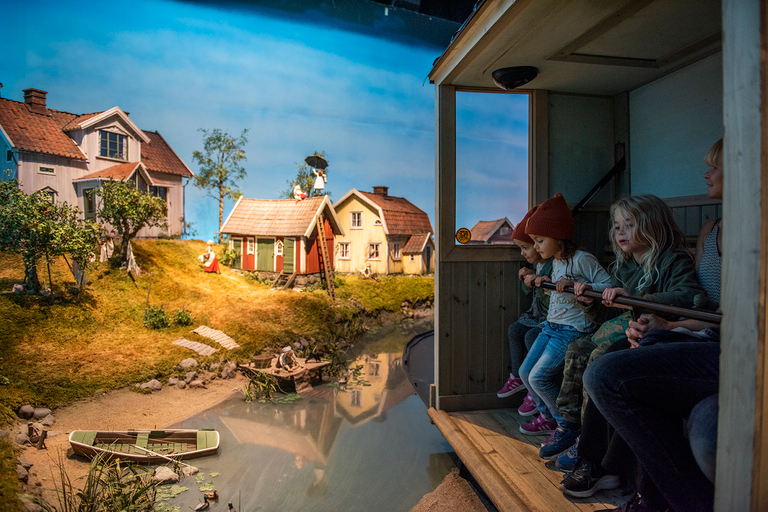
(217, 336)
(507, 466)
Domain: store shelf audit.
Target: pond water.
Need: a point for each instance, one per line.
(368, 447)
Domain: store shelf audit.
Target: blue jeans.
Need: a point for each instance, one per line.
(521, 338)
(645, 393)
(702, 434)
(542, 369)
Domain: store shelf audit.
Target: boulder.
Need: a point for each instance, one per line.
(26, 412)
(228, 371)
(48, 420)
(41, 412)
(188, 363)
(23, 473)
(190, 377)
(24, 463)
(22, 439)
(197, 384)
(154, 385)
(189, 470)
(173, 381)
(165, 475)
(46, 292)
(182, 384)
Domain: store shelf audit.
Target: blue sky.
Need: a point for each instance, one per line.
(298, 87)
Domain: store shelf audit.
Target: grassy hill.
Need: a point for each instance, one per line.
(55, 352)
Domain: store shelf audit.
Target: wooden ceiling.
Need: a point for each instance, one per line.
(582, 46)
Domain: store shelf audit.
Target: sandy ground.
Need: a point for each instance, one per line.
(124, 409)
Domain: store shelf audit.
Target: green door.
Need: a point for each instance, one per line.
(288, 267)
(237, 245)
(264, 250)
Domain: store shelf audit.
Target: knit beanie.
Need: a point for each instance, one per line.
(519, 232)
(552, 219)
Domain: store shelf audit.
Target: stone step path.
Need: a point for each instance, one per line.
(217, 336)
(200, 348)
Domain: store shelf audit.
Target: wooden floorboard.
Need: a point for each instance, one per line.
(507, 465)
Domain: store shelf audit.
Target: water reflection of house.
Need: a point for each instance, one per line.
(386, 387)
(307, 428)
(492, 232)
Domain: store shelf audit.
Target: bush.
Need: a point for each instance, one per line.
(182, 317)
(155, 317)
(228, 257)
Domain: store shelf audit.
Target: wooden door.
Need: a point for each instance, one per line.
(264, 254)
(288, 255)
(237, 246)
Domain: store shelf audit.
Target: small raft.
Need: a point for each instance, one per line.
(136, 445)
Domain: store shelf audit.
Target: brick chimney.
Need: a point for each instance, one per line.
(35, 101)
(380, 191)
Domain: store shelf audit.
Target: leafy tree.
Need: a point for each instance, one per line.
(305, 178)
(36, 227)
(220, 168)
(128, 209)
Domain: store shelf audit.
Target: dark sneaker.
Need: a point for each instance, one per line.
(636, 504)
(586, 479)
(513, 385)
(567, 461)
(559, 443)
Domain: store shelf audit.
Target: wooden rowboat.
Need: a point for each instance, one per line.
(136, 445)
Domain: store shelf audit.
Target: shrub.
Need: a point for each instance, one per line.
(182, 317)
(155, 317)
(228, 257)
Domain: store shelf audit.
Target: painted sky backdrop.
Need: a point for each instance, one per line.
(300, 84)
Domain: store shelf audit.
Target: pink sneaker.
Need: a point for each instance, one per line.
(528, 407)
(512, 386)
(540, 425)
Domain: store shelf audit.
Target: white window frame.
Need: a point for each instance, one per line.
(279, 248)
(122, 157)
(345, 252)
(46, 173)
(356, 224)
(251, 246)
(374, 246)
(396, 255)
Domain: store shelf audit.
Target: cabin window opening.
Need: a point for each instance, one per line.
(356, 220)
(374, 249)
(411, 258)
(279, 248)
(112, 145)
(9, 155)
(161, 192)
(396, 250)
(343, 250)
(377, 222)
(51, 171)
(89, 203)
(491, 148)
(251, 247)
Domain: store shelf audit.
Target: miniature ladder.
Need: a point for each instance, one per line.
(325, 271)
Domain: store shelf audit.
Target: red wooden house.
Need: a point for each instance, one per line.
(280, 235)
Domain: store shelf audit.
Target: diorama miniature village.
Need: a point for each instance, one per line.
(117, 328)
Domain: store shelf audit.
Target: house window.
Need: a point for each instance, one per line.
(279, 248)
(356, 220)
(343, 250)
(141, 184)
(89, 203)
(46, 170)
(112, 145)
(161, 192)
(355, 398)
(251, 248)
(377, 222)
(411, 258)
(504, 230)
(374, 250)
(9, 155)
(395, 250)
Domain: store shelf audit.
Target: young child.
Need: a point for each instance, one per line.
(551, 228)
(652, 264)
(524, 331)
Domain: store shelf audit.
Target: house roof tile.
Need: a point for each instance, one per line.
(273, 217)
(400, 215)
(37, 132)
(485, 229)
(416, 243)
(75, 123)
(115, 172)
(159, 157)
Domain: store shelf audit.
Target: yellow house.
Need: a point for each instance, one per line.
(388, 233)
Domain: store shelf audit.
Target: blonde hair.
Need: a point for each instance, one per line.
(655, 228)
(714, 157)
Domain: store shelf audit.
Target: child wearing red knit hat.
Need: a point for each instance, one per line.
(551, 228)
(522, 333)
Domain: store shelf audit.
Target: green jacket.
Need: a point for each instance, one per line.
(676, 284)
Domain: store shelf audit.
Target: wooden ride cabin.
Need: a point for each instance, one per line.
(654, 83)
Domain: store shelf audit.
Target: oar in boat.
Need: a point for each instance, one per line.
(195, 470)
(634, 302)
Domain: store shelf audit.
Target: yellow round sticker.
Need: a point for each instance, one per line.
(463, 235)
